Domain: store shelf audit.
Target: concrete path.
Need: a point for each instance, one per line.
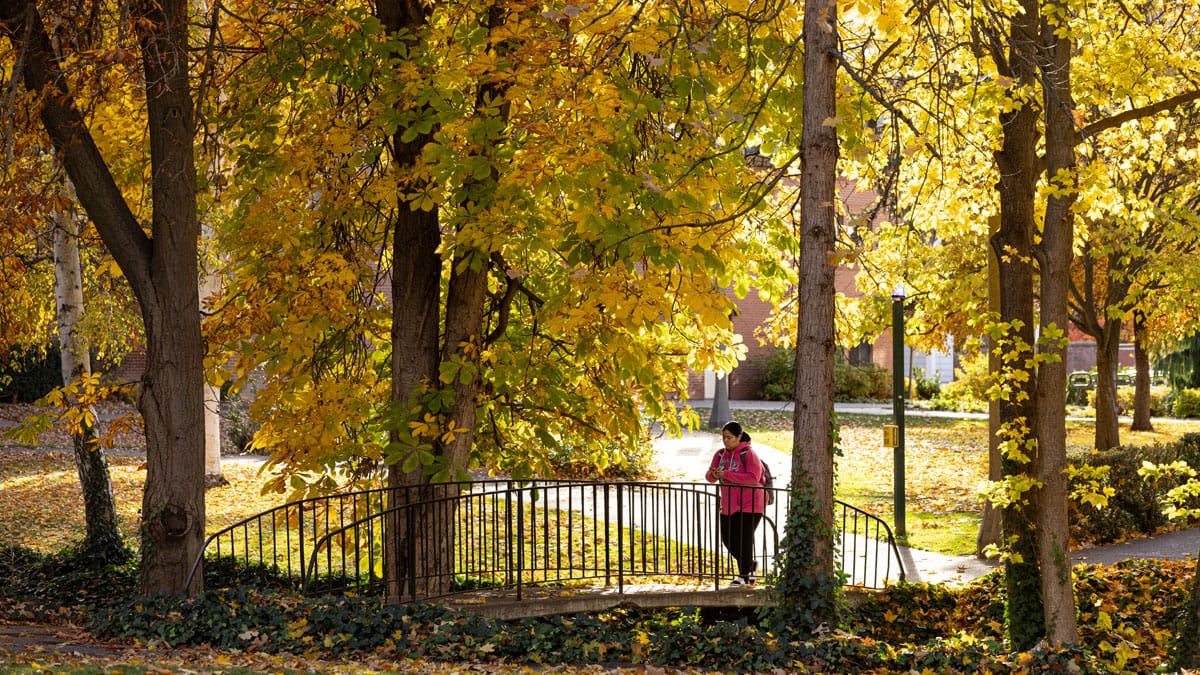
(686, 458)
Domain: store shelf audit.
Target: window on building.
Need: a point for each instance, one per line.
(860, 355)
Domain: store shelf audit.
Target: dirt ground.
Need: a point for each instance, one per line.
(18, 638)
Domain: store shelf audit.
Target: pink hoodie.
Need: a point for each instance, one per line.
(733, 498)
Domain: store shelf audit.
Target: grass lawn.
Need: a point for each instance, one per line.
(41, 505)
(945, 458)
(945, 467)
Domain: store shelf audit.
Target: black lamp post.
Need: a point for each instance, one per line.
(898, 408)
(720, 413)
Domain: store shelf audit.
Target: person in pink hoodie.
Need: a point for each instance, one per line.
(737, 468)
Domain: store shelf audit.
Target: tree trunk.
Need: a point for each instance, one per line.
(161, 269)
(1050, 461)
(416, 315)
(416, 321)
(1108, 347)
(1141, 383)
(990, 523)
(427, 553)
(1012, 245)
(214, 476)
(102, 540)
(809, 592)
(172, 393)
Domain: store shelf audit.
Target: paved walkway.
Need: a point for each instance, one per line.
(687, 458)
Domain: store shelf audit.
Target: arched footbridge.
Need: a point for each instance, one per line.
(533, 547)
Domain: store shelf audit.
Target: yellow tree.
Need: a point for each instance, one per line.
(159, 262)
(45, 312)
(1141, 218)
(563, 190)
(1023, 75)
(809, 584)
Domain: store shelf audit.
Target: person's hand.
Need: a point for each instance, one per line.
(718, 474)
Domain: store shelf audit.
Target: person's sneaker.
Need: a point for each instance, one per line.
(750, 580)
(740, 581)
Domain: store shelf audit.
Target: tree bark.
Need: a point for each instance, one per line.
(1141, 383)
(990, 529)
(102, 538)
(214, 476)
(161, 269)
(812, 444)
(172, 393)
(1055, 258)
(1012, 244)
(1108, 349)
(416, 322)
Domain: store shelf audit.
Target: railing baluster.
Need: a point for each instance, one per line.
(653, 528)
(520, 542)
(620, 539)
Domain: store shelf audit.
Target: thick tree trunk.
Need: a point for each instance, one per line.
(102, 539)
(172, 394)
(1012, 245)
(416, 321)
(808, 594)
(990, 524)
(416, 315)
(1108, 346)
(416, 318)
(161, 270)
(1050, 461)
(1141, 383)
(427, 554)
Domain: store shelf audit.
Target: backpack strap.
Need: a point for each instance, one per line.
(742, 459)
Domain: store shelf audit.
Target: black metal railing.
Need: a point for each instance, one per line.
(456, 537)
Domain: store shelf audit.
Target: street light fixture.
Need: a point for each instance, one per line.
(898, 409)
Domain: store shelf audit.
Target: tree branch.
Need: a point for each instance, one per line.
(1137, 113)
(875, 94)
(97, 191)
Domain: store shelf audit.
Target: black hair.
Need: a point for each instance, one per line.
(735, 429)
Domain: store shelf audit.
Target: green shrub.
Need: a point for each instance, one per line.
(1135, 508)
(616, 462)
(928, 614)
(927, 388)
(1187, 403)
(969, 389)
(778, 374)
(857, 383)
(1158, 400)
(905, 628)
(29, 375)
(237, 427)
(850, 382)
(246, 619)
(60, 586)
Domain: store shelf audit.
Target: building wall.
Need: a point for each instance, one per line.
(745, 383)
(1081, 356)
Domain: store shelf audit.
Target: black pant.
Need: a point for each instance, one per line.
(737, 534)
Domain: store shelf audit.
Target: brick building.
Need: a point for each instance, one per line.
(745, 382)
